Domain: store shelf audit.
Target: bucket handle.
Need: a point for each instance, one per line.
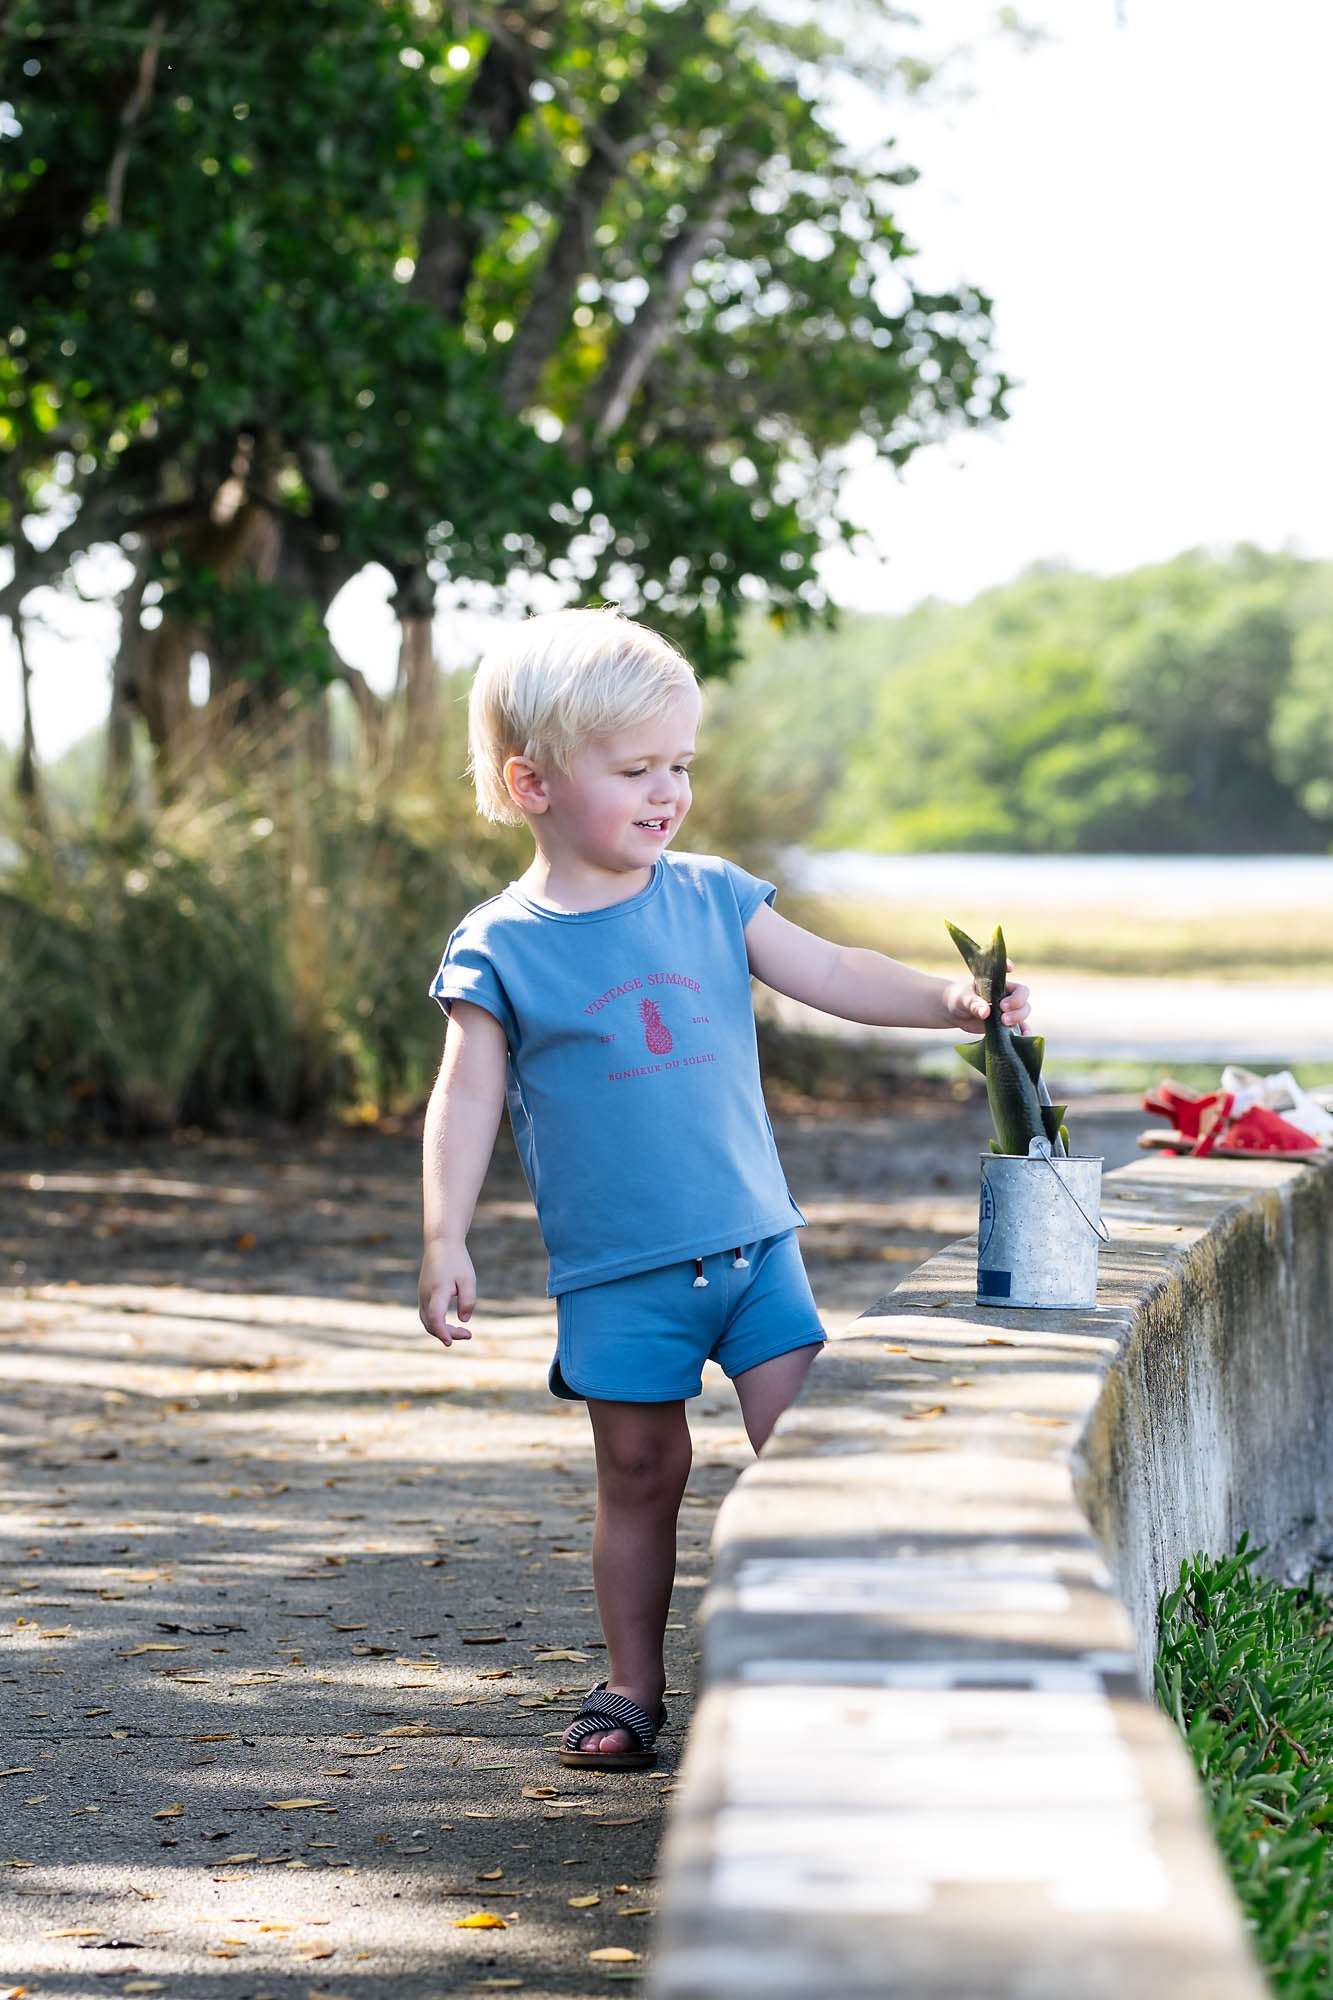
(1041, 1149)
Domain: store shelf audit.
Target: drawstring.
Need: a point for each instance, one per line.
(738, 1263)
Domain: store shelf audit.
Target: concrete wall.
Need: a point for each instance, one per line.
(924, 1763)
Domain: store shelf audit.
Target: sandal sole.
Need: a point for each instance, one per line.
(596, 1760)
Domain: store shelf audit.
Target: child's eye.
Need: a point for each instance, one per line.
(637, 772)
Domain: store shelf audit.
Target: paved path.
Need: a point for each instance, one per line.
(294, 1604)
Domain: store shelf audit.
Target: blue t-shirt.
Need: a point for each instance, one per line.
(633, 1079)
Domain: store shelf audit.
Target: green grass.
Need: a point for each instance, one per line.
(1245, 1668)
(1252, 945)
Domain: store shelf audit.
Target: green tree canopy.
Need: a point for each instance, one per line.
(1184, 706)
(590, 288)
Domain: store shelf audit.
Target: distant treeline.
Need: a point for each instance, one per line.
(1186, 707)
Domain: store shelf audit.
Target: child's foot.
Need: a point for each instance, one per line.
(619, 1742)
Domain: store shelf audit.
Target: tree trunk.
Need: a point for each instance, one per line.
(417, 692)
(571, 253)
(27, 784)
(451, 237)
(164, 702)
(118, 775)
(131, 112)
(638, 346)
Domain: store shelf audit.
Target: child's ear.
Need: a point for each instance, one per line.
(525, 785)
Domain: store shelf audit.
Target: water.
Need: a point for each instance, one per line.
(1089, 1018)
(1154, 884)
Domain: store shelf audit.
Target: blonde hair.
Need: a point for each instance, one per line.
(555, 681)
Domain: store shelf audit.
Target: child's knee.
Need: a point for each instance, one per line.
(639, 1467)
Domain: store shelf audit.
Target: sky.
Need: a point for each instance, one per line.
(1144, 195)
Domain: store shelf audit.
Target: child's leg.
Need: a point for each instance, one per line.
(643, 1462)
(766, 1391)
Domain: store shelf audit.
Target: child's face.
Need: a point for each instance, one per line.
(625, 795)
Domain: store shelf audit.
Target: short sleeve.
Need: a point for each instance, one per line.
(466, 973)
(749, 890)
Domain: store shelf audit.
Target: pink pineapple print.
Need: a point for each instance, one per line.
(655, 1031)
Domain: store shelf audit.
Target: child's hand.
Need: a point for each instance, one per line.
(446, 1275)
(967, 1007)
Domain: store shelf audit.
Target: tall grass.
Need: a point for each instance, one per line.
(261, 950)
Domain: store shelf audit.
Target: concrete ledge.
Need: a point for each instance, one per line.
(924, 1762)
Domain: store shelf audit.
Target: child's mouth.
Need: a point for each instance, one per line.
(652, 825)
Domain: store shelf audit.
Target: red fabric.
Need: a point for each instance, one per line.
(1207, 1120)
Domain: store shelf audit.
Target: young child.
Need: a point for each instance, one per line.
(606, 995)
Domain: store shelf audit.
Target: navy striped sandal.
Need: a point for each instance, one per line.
(600, 1714)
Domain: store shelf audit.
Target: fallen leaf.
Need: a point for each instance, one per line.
(481, 1920)
(234, 1860)
(540, 1792)
(584, 1902)
(170, 1812)
(84, 1931)
(466, 1815)
(614, 1954)
(246, 1240)
(153, 1646)
(995, 1340)
(293, 1805)
(311, 1951)
(638, 1910)
(229, 1736)
(1025, 1417)
(19, 1771)
(565, 1654)
(484, 1639)
(378, 1751)
(892, 1350)
(143, 1986)
(620, 1822)
(924, 1416)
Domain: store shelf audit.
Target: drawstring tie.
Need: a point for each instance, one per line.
(738, 1263)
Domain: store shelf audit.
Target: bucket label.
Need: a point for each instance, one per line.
(986, 1217)
(994, 1284)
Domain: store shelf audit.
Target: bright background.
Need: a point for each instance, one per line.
(1144, 195)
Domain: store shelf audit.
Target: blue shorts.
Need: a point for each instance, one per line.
(645, 1338)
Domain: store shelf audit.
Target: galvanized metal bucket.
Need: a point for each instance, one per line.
(1039, 1229)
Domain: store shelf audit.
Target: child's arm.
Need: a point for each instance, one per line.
(860, 985)
(462, 1119)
